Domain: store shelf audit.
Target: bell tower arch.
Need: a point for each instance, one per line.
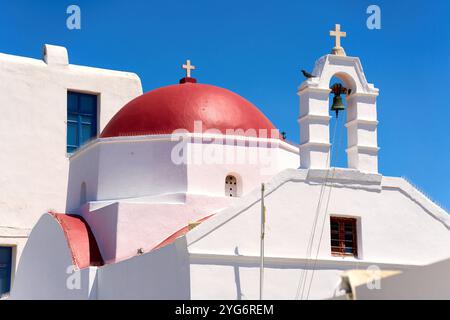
(314, 119)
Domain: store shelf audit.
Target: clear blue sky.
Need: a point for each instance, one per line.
(257, 48)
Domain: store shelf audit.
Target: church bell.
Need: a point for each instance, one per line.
(338, 104)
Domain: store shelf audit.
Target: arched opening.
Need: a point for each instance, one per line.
(338, 132)
(83, 194)
(231, 186)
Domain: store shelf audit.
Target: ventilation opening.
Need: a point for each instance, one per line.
(231, 186)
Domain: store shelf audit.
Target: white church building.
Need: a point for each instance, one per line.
(189, 192)
(38, 133)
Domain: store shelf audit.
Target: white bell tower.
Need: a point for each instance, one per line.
(314, 119)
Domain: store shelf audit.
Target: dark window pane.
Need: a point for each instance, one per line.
(88, 104)
(349, 244)
(72, 137)
(348, 227)
(5, 269)
(72, 102)
(71, 117)
(86, 133)
(86, 119)
(348, 250)
(81, 119)
(71, 149)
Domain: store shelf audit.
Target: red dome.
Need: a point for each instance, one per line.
(166, 109)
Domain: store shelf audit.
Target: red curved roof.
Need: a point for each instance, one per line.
(81, 241)
(178, 234)
(167, 109)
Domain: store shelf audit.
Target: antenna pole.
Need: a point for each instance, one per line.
(263, 222)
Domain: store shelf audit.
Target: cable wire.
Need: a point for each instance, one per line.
(303, 275)
(326, 211)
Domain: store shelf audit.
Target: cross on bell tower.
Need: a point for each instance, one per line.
(361, 118)
(338, 34)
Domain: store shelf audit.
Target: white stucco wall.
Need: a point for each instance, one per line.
(132, 279)
(131, 167)
(33, 100)
(139, 194)
(314, 119)
(125, 167)
(121, 228)
(396, 230)
(251, 161)
(219, 259)
(428, 282)
(35, 279)
(82, 170)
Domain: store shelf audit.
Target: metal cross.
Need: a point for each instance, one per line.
(188, 67)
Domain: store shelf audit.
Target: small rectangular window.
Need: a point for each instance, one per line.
(5, 269)
(81, 119)
(343, 236)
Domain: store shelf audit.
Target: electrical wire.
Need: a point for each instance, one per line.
(326, 211)
(303, 275)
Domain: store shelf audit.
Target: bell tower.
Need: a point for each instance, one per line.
(314, 119)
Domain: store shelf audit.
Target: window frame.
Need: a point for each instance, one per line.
(80, 116)
(11, 267)
(341, 251)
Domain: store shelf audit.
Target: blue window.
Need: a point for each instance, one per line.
(5, 269)
(81, 119)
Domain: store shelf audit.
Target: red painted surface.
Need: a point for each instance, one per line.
(177, 234)
(81, 241)
(188, 79)
(166, 109)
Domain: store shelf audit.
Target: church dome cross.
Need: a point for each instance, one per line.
(188, 67)
(338, 34)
